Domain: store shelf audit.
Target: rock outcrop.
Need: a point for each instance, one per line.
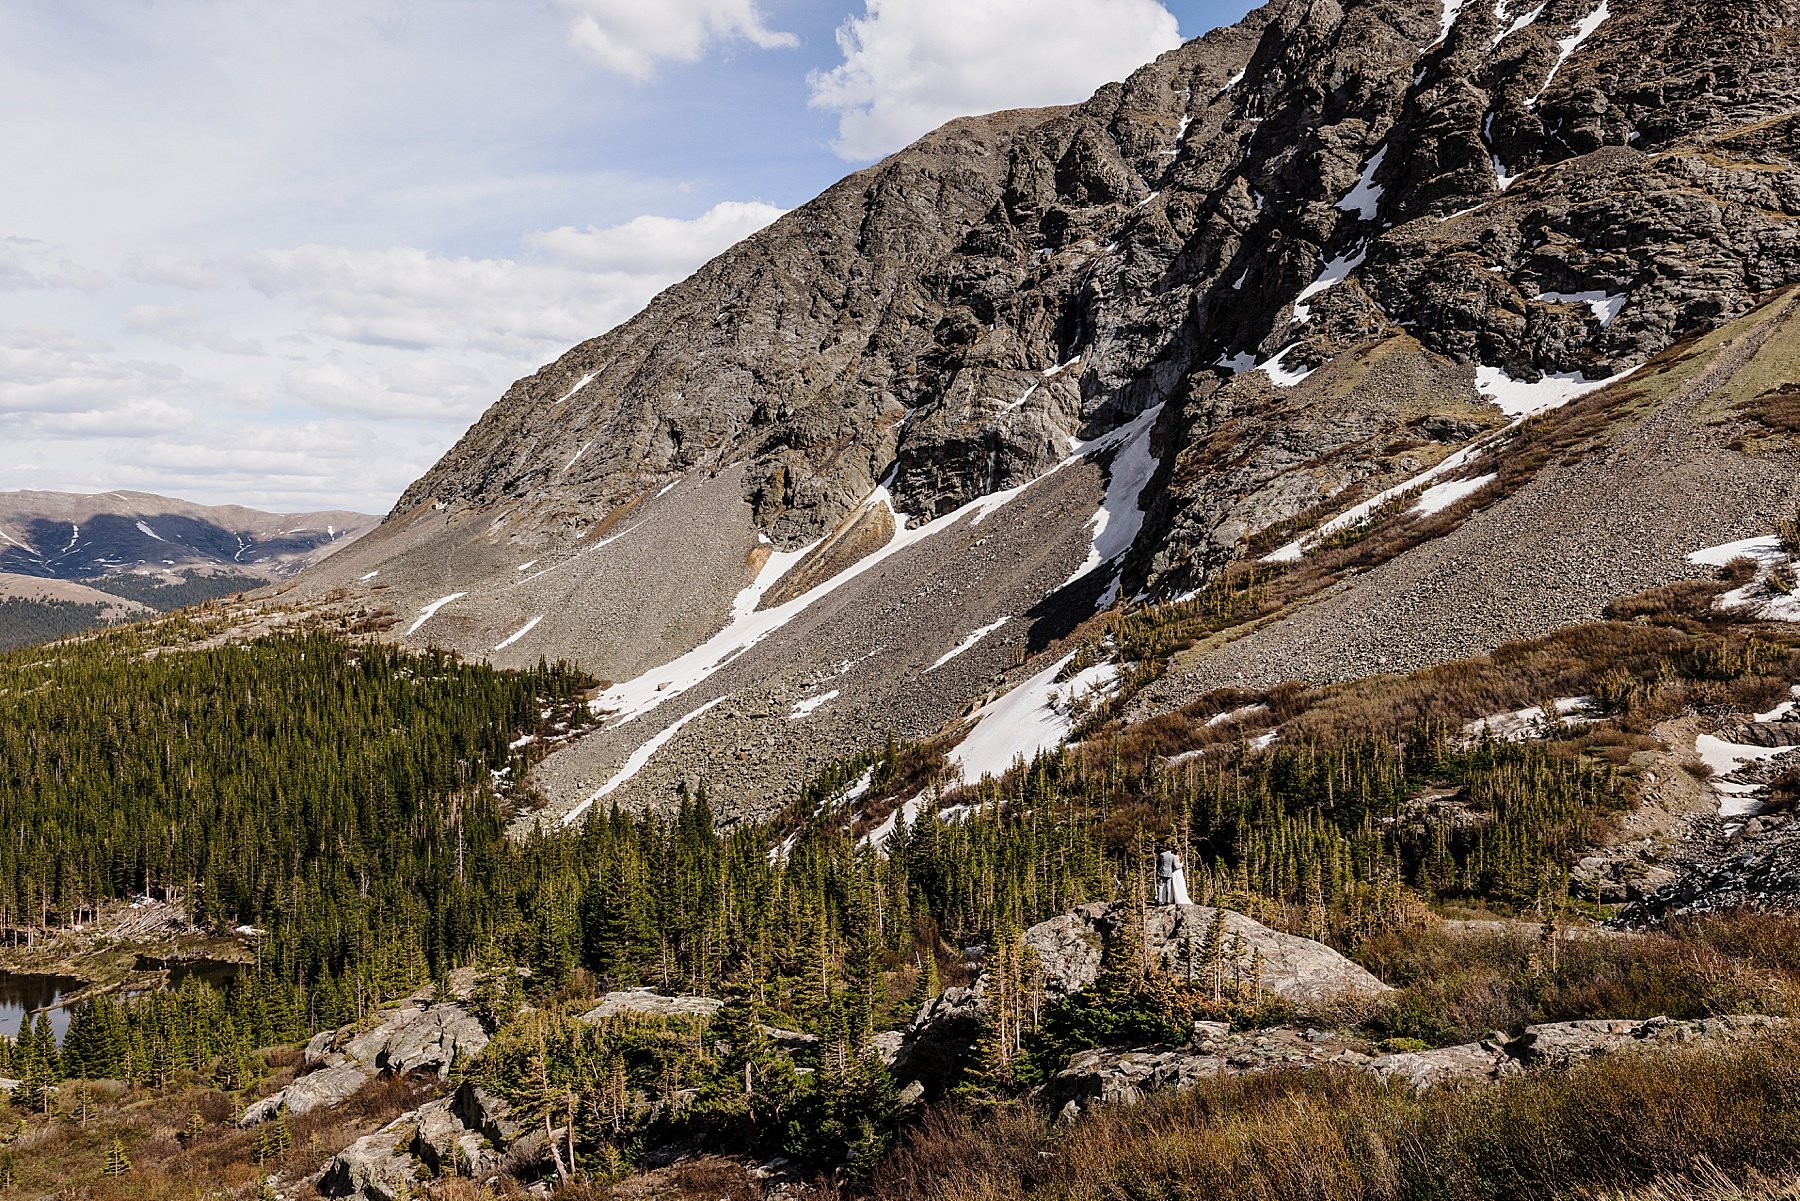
(644, 1002)
(429, 1142)
(1295, 969)
(1069, 949)
(414, 1037)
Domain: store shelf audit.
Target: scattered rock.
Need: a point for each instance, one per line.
(1119, 1075)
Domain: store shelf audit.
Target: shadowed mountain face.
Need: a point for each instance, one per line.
(65, 536)
(877, 463)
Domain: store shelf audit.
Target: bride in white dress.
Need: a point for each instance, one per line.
(1171, 880)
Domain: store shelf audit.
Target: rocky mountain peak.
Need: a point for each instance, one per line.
(1046, 359)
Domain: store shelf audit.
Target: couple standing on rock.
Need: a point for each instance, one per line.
(1171, 880)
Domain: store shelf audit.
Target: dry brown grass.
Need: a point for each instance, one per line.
(1618, 1124)
(61, 1157)
(1454, 986)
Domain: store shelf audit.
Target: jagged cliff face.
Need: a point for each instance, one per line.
(1043, 359)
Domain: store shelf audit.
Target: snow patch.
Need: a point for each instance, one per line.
(1036, 716)
(1452, 10)
(1781, 711)
(17, 543)
(1766, 550)
(1603, 305)
(144, 529)
(1520, 22)
(1020, 403)
(1336, 272)
(430, 611)
(807, 707)
(1235, 716)
(879, 836)
(1761, 597)
(1293, 551)
(1365, 198)
(966, 644)
(1517, 398)
(1570, 44)
(1527, 723)
(1283, 377)
(363, 579)
(636, 762)
(1722, 758)
(747, 625)
(576, 458)
(580, 384)
(1439, 497)
(1120, 516)
(519, 633)
(1237, 364)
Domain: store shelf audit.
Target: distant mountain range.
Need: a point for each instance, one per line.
(70, 561)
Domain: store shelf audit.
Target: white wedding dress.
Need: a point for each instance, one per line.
(1178, 893)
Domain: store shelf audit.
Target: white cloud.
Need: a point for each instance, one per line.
(172, 269)
(911, 65)
(28, 265)
(413, 334)
(53, 373)
(659, 246)
(180, 325)
(633, 36)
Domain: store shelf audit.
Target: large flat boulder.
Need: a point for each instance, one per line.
(644, 1002)
(320, 1089)
(1295, 969)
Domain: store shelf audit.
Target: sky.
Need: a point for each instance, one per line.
(283, 255)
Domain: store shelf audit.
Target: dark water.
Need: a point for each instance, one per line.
(216, 972)
(21, 995)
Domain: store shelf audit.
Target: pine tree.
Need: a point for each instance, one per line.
(117, 1163)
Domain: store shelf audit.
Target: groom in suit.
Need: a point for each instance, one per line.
(1167, 864)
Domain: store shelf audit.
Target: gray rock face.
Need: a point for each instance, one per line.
(643, 1002)
(446, 1146)
(488, 1114)
(1470, 1062)
(1294, 968)
(435, 1140)
(1334, 191)
(413, 1037)
(315, 1090)
(375, 1167)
